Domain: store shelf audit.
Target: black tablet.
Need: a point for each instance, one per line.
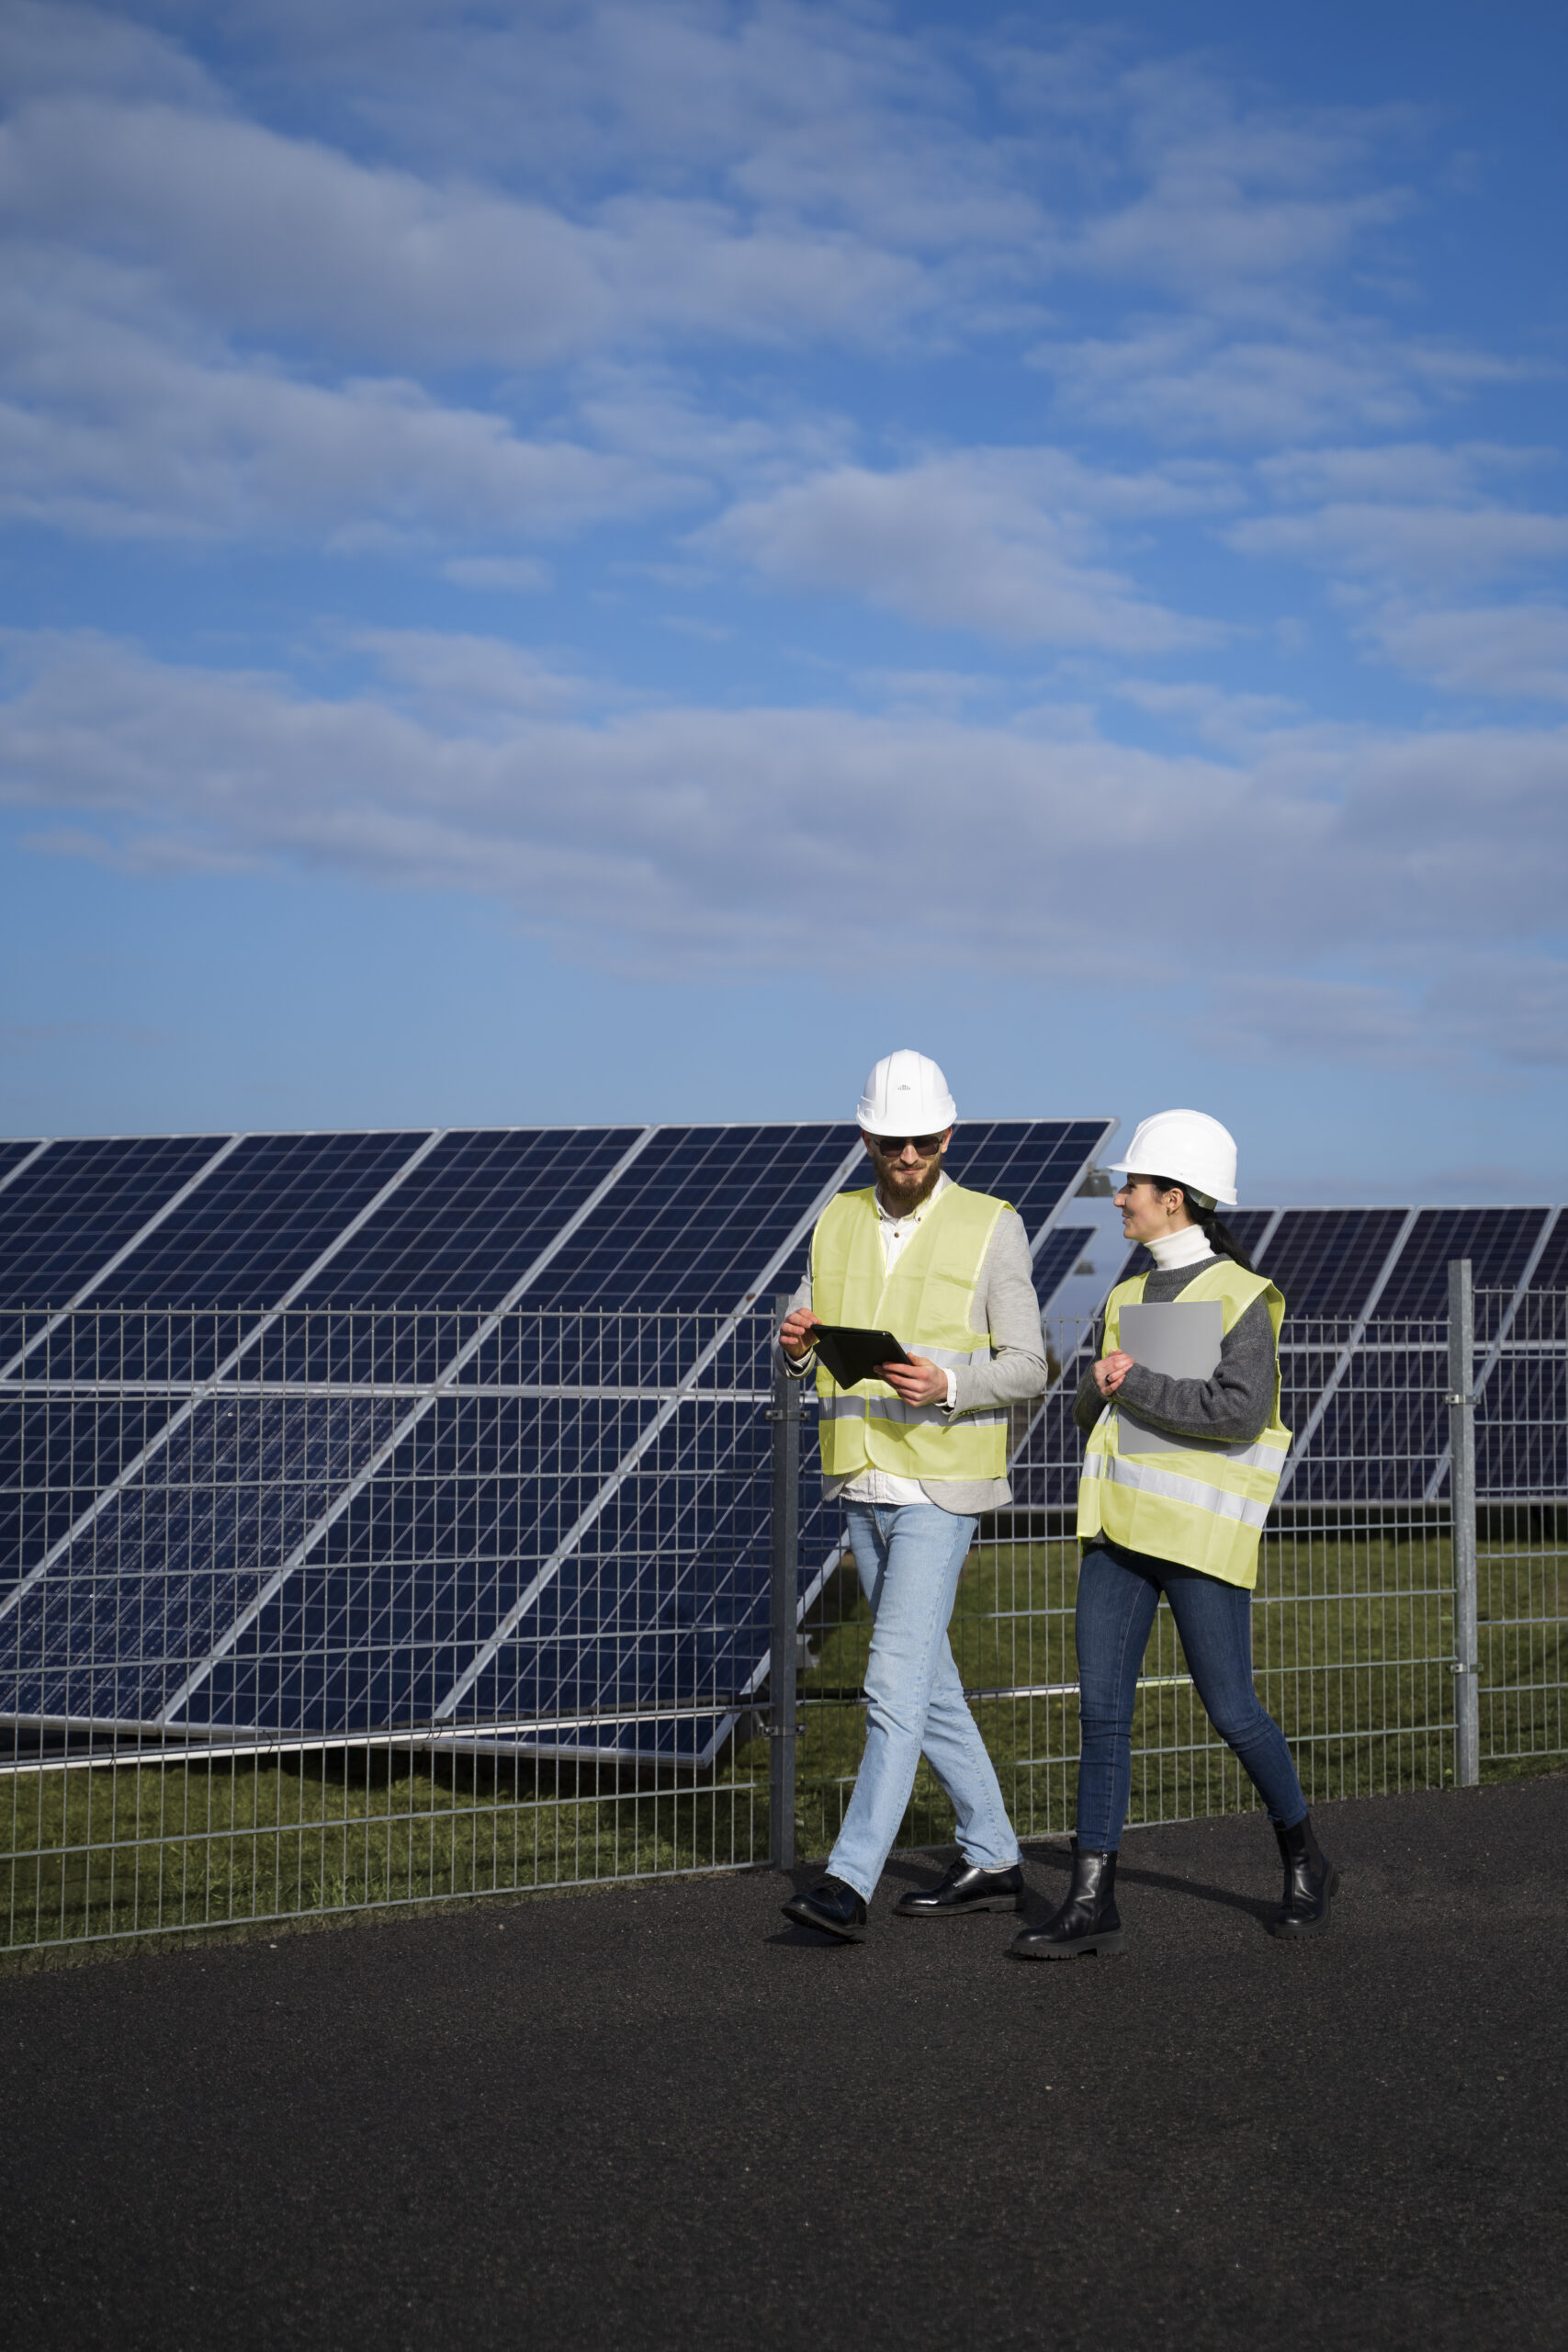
(852, 1355)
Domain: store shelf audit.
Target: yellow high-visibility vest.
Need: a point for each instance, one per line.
(1203, 1504)
(927, 1303)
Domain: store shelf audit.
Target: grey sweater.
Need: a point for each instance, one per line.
(1006, 1306)
(1232, 1406)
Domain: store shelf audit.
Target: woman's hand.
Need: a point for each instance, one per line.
(795, 1332)
(1110, 1371)
(918, 1382)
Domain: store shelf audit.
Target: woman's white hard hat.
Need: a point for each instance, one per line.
(905, 1096)
(1190, 1149)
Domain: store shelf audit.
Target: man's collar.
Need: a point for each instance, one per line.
(937, 1189)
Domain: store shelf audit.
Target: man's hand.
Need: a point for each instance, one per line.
(795, 1332)
(1110, 1371)
(918, 1382)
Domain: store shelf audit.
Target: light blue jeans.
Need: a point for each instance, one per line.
(908, 1557)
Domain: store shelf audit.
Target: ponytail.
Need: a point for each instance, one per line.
(1220, 1238)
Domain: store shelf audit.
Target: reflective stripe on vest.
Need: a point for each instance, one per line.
(928, 1301)
(1203, 1505)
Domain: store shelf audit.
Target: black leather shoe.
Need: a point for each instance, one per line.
(834, 1907)
(1088, 1921)
(1311, 1881)
(965, 1888)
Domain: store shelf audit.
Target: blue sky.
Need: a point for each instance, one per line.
(574, 562)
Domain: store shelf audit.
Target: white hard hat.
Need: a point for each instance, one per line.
(905, 1096)
(1190, 1149)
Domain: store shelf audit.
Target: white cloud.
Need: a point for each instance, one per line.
(675, 840)
(108, 424)
(1410, 510)
(1502, 650)
(1363, 1023)
(54, 45)
(995, 541)
(502, 575)
(1232, 195)
(1195, 379)
(1523, 998)
(1389, 471)
(470, 684)
(286, 237)
(826, 114)
(1231, 722)
(1421, 543)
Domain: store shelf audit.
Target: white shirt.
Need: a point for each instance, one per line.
(883, 1486)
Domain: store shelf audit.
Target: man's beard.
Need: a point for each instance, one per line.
(895, 1197)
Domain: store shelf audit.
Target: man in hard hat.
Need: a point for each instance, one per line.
(916, 1457)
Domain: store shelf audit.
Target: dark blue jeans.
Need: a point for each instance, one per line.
(1117, 1594)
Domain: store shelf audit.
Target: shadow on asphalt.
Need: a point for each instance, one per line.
(923, 1872)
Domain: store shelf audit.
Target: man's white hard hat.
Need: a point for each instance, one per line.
(905, 1096)
(1190, 1149)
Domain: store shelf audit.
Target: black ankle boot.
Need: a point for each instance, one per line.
(1311, 1880)
(1088, 1919)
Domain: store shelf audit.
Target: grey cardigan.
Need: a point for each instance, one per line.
(1005, 1304)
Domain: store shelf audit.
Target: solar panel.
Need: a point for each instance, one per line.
(1551, 1268)
(1326, 1261)
(467, 1222)
(56, 1454)
(1384, 1429)
(702, 1213)
(66, 1214)
(762, 1183)
(1496, 1242)
(15, 1156)
(1521, 1422)
(166, 1570)
(1029, 1163)
(259, 1221)
(1056, 1256)
(417, 1572)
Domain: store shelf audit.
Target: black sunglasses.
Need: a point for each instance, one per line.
(924, 1145)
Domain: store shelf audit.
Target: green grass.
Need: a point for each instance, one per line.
(1353, 1642)
(147, 1850)
(1353, 1638)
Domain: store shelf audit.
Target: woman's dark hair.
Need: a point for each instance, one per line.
(1220, 1238)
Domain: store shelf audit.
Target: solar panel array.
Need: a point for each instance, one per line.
(302, 1432)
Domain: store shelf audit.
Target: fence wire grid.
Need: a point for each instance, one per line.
(371, 1607)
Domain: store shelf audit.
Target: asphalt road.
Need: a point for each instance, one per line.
(649, 2115)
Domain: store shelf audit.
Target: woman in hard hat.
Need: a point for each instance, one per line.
(1180, 1520)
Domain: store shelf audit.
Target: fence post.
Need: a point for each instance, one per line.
(783, 1636)
(1462, 1489)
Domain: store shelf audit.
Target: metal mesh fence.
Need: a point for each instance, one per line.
(331, 1611)
(375, 1608)
(1354, 1632)
(1521, 1440)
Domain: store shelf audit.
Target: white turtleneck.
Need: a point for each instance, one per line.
(1183, 1248)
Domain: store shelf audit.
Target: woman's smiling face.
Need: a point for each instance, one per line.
(1148, 1214)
